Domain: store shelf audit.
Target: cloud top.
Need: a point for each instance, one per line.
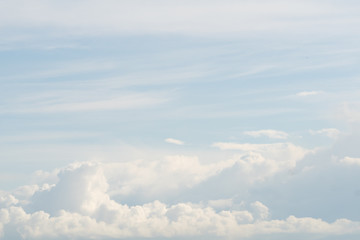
(78, 206)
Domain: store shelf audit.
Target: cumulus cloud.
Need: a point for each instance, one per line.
(261, 210)
(272, 150)
(174, 141)
(79, 207)
(7, 199)
(329, 132)
(159, 178)
(256, 162)
(94, 199)
(350, 161)
(168, 177)
(267, 133)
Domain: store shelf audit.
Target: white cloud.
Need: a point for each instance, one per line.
(220, 203)
(268, 133)
(7, 200)
(261, 210)
(329, 132)
(158, 177)
(287, 150)
(259, 161)
(79, 206)
(350, 161)
(174, 141)
(307, 93)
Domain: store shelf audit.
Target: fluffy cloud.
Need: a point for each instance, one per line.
(277, 190)
(262, 160)
(329, 132)
(141, 180)
(79, 207)
(267, 133)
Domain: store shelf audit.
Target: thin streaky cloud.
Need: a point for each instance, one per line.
(126, 101)
(308, 93)
(270, 133)
(174, 141)
(165, 16)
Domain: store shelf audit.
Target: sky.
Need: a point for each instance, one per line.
(154, 119)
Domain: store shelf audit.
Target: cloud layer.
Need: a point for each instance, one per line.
(186, 17)
(79, 206)
(96, 199)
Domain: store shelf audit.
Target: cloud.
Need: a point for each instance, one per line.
(7, 199)
(79, 207)
(350, 161)
(272, 150)
(60, 102)
(174, 141)
(307, 93)
(162, 178)
(267, 133)
(329, 132)
(261, 210)
(185, 17)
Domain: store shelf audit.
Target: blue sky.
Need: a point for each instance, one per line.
(166, 113)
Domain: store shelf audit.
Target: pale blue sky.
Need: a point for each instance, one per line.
(227, 102)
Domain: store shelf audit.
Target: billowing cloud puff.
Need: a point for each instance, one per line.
(277, 190)
(79, 207)
(259, 161)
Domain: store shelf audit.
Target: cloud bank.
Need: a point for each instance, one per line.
(96, 199)
(78, 206)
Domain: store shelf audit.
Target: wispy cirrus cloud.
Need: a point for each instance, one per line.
(174, 141)
(56, 102)
(308, 93)
(168, 17)
(270, 133)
